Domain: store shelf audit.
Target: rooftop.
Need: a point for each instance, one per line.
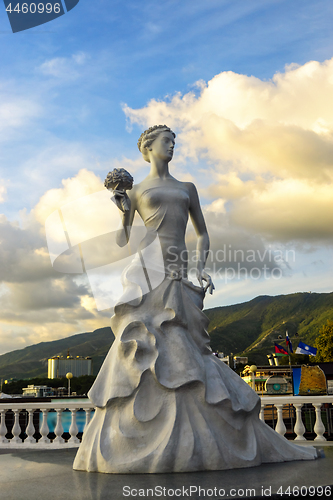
(48, 474)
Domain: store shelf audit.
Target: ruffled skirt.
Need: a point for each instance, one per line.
(164, 402)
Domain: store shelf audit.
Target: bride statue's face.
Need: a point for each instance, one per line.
(162, 147)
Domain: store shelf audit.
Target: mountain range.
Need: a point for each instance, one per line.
(249, 328)
(252, 327)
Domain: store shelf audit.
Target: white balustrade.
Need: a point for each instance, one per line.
(73, 430)
(280, 427)
(299, 426)
(44, 409)
(298, 401)
(261, 414)
(319, 427)
(88, 414)
(30, 430)
(281, 403)
(3, 428)
(16, 430)
(59, 430)
(44, 430)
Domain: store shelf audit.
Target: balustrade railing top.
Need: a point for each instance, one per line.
(53, 405)
(270, 400)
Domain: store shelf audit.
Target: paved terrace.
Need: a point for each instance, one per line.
(48, 474)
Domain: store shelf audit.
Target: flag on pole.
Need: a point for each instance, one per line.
(288, 342)
(306, 349)
(279, 350)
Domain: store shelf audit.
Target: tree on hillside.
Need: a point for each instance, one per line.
(296, 359)
(324, 343)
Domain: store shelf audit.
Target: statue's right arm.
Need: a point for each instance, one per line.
(124, 232)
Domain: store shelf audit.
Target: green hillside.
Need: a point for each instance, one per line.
(32, 361)
(252, 327)
(249, 328)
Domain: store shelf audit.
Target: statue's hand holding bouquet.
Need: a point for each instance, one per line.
(119, 181)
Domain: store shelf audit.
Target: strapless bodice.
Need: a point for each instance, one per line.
(165, 210)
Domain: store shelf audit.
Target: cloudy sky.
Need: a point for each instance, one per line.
(248, 88)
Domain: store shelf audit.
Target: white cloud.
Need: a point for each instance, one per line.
(267, 146)
(21, 256)
(64, 67)
(32, 292)
(288, 209)
(3, 191)
(15, 112)
(82, 184)
(298, 97)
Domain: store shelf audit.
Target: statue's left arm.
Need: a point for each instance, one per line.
(123, 233)
(199, 224)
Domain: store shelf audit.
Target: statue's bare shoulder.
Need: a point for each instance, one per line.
(189, 186)
(192, 192)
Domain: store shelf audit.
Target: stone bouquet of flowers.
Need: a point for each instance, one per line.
(119, 181)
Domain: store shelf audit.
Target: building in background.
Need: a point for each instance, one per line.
(37, 391)
(231, 360)
(279, 380)
(58, 366)
(270, 379)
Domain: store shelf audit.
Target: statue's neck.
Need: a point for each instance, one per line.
(159, 169)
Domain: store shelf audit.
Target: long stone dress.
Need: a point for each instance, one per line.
(164, 402)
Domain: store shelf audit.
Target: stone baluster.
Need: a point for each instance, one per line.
(3, 428)
(30, 430)
(44, 430)
(88, 415)
(16, 430)
(261, 414)
(73, 430)
(280, 427)
(319, 427)
(299, 428)
(59, 430)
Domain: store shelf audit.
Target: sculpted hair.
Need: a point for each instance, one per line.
(148, 137)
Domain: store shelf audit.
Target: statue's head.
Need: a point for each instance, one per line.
(148, 137)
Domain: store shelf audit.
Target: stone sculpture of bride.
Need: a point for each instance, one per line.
(164, 402)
